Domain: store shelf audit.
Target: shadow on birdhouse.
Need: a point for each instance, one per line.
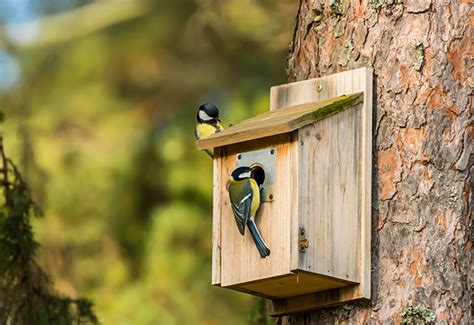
(312, 154)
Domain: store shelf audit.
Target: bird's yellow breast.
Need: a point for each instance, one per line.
(204, 130)
(256, 197)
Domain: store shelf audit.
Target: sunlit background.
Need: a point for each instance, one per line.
(100, 99)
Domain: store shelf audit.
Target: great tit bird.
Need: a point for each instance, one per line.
(244, 195)
(208, 123)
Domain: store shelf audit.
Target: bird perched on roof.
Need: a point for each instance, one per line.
(244, 192)
(208, 123)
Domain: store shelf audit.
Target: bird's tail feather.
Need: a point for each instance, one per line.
(257, 238)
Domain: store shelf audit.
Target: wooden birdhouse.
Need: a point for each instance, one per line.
(315, 147)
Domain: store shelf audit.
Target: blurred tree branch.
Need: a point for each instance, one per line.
(82, 21)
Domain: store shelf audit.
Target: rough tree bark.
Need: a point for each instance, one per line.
(421, 52)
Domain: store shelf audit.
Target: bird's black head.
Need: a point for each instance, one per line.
(241, 173)
(208, 113)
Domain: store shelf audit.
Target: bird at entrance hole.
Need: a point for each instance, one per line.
(244, 192)
(208, 123)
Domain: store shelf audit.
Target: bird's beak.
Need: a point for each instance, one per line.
(227, 185)
(218, 119)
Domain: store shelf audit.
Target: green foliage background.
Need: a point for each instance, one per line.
(101, 126)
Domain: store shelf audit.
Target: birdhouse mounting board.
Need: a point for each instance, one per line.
(313, 90)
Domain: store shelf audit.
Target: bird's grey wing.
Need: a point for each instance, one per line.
(242, 212)
(239, 218)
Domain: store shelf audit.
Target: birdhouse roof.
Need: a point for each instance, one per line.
(280, 121)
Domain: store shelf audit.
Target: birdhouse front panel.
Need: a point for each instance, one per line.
(240, 261)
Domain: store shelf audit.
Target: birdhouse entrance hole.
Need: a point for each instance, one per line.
(264, 161)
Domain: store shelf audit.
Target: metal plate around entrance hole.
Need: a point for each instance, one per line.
(266, 158)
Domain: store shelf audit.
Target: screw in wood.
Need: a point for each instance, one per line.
(303, 242)
(319, 88)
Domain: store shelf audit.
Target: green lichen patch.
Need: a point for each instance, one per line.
(389, 7)
(315, 17)
(336, 8)
(345, 54)
(343, 103)
(376, 4)
(418, 314)
(416, 55)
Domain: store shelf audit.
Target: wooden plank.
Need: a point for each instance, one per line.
(308, 302)
(291, 285)
(295, 199)
(366, 184)
(279, 122)
(318, 89)
(306, 92)
(330, 201)
(240, 261)
(216, 220)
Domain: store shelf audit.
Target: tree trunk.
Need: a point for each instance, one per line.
(421, 52)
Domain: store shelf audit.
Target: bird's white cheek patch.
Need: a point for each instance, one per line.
(203, 116)
(245, 175)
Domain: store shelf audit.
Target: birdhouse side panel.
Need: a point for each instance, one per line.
(240, 261)
(330, 183)
(216, 218)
